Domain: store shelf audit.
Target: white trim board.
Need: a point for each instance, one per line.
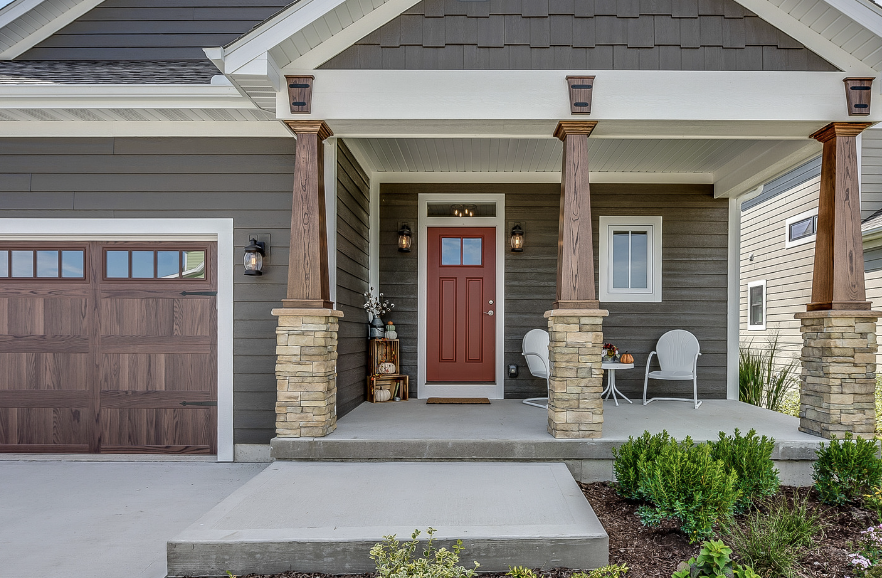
(17, 21)
(220, 230)
(490, 391)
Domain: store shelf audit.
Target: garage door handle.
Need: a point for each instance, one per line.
(203, 403)
(210, 293)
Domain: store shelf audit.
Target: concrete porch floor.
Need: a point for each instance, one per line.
(508, 430)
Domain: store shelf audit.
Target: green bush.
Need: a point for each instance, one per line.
(628, 456)
(750, 457)
(773, 541)
(714, 561)
(685, 483)
(613, 571)
(396, 560)
(520, 572)
(845, 471)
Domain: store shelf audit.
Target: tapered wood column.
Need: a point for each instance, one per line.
(575, 248)
(308, 284)
(838, 280)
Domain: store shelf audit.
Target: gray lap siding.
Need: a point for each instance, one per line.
(248, 180)
(694, 281)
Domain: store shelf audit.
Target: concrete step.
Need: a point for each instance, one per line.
(324, 517)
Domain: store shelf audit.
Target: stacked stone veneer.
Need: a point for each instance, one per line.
(306, 372)
(575, 351)
(838, 373)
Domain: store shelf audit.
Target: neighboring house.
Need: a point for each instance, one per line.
(140, 139)
(778, 229)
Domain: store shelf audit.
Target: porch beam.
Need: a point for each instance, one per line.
(575, 250)
(308, 277)
(838, 279)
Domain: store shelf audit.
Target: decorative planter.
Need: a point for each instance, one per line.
(377, 328)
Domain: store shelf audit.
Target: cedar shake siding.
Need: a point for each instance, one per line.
(353, 278)
(153, 29)
(694, 281)
(578, 34)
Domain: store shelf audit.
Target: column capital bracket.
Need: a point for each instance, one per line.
(318, 127)
(836, 129)
(568, 127)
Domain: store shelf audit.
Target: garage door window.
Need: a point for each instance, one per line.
(50, 263)
(141, 264)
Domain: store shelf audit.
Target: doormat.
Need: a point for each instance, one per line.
(458, 400)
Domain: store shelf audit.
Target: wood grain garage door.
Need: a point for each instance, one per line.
(108, 347)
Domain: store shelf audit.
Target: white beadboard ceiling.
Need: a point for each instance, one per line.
(496, 155)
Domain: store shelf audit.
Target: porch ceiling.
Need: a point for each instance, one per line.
(687, 160)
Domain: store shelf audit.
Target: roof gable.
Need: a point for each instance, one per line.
(563, 34)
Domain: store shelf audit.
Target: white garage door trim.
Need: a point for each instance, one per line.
(220, 230)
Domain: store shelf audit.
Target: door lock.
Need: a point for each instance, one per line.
(490, 313)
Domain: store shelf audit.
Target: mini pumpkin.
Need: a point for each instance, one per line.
(382, 395)
(627, 358)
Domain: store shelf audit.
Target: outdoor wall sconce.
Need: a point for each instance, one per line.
(517, 239)
(405, 239)
(463, 210)
(254, 253)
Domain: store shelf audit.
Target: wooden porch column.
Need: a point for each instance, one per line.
(838, 280)
(575, 246)
(308, 284)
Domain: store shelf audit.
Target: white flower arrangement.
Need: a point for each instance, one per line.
(375, 305)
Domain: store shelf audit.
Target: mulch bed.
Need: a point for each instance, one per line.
(656, 552)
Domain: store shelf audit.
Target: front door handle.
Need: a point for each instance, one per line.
(490, 313)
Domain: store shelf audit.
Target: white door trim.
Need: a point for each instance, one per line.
(495, 390)
(220, 230)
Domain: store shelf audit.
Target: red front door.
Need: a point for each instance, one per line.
(461, 300)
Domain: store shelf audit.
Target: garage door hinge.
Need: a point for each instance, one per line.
(210, 293)
(204, 403)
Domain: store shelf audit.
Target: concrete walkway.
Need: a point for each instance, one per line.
(63, 519)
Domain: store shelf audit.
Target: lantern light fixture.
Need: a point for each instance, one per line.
(254, 253)
(517, 239)
(405, 239)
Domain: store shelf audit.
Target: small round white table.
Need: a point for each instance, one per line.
(611, 390)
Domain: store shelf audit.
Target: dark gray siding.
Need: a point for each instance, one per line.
(153, 29)
(248, 180)
(353, 277)
(579, 34)
(694, 253)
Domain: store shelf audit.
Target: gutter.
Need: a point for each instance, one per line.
(122, 96)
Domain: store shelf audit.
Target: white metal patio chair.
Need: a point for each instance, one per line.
(677, 352)
(535, 350)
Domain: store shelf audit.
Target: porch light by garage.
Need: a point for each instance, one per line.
(254, 253)
(405, 238)
(517, 239)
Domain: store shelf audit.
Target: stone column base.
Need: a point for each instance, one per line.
(306, 372)
(575, 351)
(838, 373)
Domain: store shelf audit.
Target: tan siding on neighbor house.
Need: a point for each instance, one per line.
(871, 172)
(786, 271)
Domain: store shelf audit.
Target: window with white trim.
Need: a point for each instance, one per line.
(801, 229)
(630, 259)
(756, 305)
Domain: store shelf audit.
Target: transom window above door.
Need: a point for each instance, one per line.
(160, 264)
(630, 259)
(461, 251)
(43, 263)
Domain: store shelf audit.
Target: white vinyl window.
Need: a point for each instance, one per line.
(756, 305)
(630, 259)
(801, 229)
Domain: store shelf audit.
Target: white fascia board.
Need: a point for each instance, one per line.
(759, 164)
(539, 177)
(122, 96)
(812, 40)
(482, 95)
(16, 10)
(262, 69)
(867, 14)
(143, 129)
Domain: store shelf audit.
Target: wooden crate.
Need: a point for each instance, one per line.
(384, 351)
(390, 382)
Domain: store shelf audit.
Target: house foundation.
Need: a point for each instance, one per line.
(838, 373)
(306, 375)
(575, 351)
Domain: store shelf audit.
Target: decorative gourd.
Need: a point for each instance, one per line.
(627, 358)
(386, 367)
(391, 335)
(382, 395)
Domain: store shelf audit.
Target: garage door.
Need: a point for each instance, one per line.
(108, 347)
